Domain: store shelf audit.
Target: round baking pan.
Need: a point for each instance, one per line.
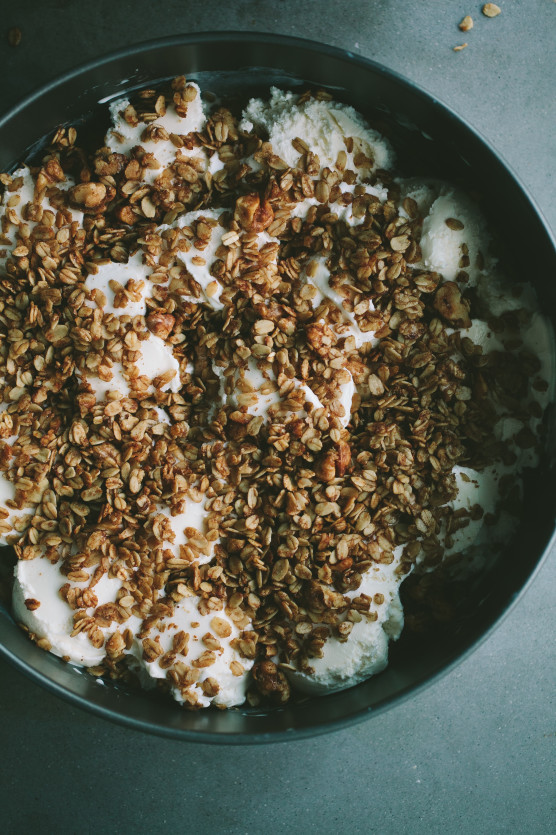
(430, 140)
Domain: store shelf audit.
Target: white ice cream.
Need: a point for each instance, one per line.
(323, 125)
(319, 278)
(117, 383)
(229, 669)
(441, 244)
(347, 390)
(110, 275)
(193, 516)
(123, 137)
(481, 334)
(261, 390)
(474, 488)
(41, 580)
(14, 203)
(365, 653)
(210, 287)
(156, 358)
(17, 520)
(155, 355)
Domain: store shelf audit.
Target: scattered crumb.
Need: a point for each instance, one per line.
(466, 24)
(14, 36)
(459, 47)
(491, 10)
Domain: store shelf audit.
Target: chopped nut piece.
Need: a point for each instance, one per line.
(449, 303)
(251, 214)
(343, 458)
(161, 324)
(32, 604)
(319, 597)
(115, 645)
(271, 682)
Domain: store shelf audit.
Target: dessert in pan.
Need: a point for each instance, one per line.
(251, 380)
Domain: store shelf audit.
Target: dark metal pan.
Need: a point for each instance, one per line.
(430, 141)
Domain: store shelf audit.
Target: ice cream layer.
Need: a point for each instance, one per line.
(345, 663)
(324, 126)
(318, 275)
(109, 284)
(450, 224)
(193, 516)
(258, 391)
(38, 581)
(156, 358)
(22, 200)
(116, 383)
(13, 521)
(199, 258)
(214, 671)
(127, 133)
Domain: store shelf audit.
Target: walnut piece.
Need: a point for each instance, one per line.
(326, 469)
(271, 682)
(54, 170)
(451, 306)
(343, 458)
(160, 323)
(125, 214)
(251, 214)
(334, 463)
(319, 597)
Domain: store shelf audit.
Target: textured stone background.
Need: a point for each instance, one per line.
(475, 753)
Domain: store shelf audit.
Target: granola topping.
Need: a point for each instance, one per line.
(250, 382)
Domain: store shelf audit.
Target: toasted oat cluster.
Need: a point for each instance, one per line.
(240, 402)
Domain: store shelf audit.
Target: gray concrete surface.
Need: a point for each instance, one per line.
(475, 753)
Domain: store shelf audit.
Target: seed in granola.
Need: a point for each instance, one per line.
(221, 627)
(454, 223)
